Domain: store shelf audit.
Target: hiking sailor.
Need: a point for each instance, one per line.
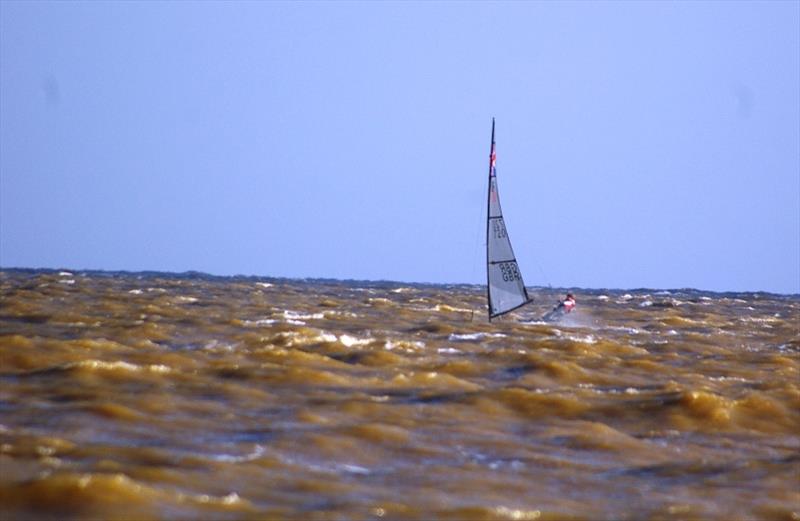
(563, 307)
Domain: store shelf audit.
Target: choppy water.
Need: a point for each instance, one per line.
(135, 396)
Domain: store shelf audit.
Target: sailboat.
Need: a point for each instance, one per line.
(505, 290)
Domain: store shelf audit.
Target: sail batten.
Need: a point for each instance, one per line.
(505, 287)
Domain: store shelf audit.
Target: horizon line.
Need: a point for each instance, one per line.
(380, 281)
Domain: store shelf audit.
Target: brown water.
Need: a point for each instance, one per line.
(152, 396)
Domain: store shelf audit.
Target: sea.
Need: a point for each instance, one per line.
(137, 396)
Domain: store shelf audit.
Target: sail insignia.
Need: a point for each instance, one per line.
(505, 288)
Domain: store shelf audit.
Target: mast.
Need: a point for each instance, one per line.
(488, 220)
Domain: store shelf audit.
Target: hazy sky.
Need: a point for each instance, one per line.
(640, 144)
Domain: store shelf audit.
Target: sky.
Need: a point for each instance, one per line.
(639, 144)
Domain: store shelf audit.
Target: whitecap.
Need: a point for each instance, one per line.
(353, 469)
(218, 347)
(630, 330)
(257, 452)
(126, 366)
(350, 341)
(586, 339)
(404, 345)
(230, 499)
(260, 322)
(513, 464)
(517, 514)
(326, 468)
(449, 309)
(295, 338)
(294, 315)
(760, 320)
(345, 314)
(727, 379)
(465, 337)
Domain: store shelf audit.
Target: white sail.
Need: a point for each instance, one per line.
(506, 290)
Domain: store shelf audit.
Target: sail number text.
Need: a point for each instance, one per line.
(509, 271)
(499, 229)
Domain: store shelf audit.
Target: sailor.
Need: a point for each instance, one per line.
(568, 303)
(563, 307)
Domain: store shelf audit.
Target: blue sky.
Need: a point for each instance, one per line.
(640, 144)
